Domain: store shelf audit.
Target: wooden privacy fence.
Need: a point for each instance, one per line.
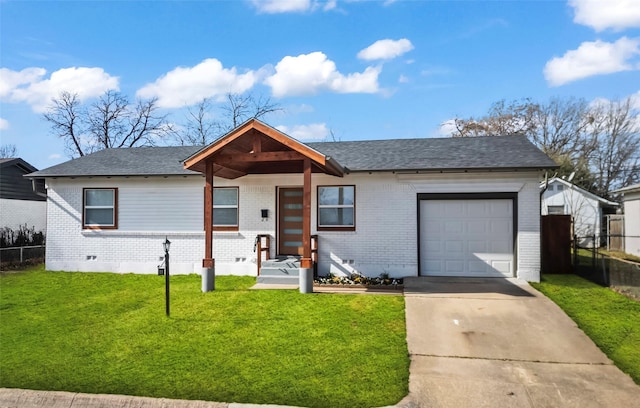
(615, 231)
(556, 244)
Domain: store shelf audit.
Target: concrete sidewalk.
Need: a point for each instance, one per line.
(16, 398)
(500, 343)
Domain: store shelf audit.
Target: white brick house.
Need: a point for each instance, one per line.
(447, 207)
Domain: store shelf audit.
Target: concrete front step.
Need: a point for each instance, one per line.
(278, 280)
(281, 271)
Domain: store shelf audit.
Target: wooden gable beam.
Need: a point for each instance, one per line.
(234, 173)
(226, 159)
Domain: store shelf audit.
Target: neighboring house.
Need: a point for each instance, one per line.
(588, 210)
(631, 205)
(21, 202)
(406, 207)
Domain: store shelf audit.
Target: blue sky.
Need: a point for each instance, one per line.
(359, 69)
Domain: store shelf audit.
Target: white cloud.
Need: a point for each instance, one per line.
(30, 86)
(603, 14)
(4, 124)
(592, 58)
(330, 5)
(314, 131)
(189, 85)
(281, 6)
(447, 128)
(10, 80)
(403, 79)
(54, 156)
(385, 49)
(308, 74)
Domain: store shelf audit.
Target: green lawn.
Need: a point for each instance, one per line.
(611, 320)
(108, 333)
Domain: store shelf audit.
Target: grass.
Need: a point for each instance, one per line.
(620, 255)
(108, 333)
(611, 320)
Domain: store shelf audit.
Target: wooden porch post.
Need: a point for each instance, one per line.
(305, 262)
(208, 261)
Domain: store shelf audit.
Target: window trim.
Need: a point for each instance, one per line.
(115, 209)
(320, 227)
(237, 207)
(555, 208)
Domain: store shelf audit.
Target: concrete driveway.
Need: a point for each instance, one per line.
(500, 343)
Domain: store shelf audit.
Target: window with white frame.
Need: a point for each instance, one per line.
(100, 208)
(555, 209)
(336, 207)
(225, 208)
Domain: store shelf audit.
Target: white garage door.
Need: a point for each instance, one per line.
(466, 238)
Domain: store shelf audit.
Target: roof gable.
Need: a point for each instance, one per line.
(256, 148)
(557, 180)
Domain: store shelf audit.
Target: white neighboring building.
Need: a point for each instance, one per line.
(631, 205)
(587, 209)
(406, 207)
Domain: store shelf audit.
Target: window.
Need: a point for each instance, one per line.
(560, 187)
(336, 207)
(225, 208)
(555, 209)
(100, 208)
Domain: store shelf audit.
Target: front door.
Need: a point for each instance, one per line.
(290, 221)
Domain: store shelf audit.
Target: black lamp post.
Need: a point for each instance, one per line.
(166, 244)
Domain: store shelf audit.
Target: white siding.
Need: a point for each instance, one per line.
(16, 213)
(632, 223)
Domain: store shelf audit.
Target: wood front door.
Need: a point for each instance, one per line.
(290, 221)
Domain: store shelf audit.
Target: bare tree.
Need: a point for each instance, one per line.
(110, 122)
(64, 116)
(513, 118)
(239, 108)
(8, 151)
(598, 143)
(614, 130)
(202, 127)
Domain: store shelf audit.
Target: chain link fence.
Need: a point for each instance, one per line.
(607, 264)
(15, 257)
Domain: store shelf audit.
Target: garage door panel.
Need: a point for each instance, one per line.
(454, 248)
(477, 209)
(453, 265)
(504, 267)
(477, 246)
(455, 226)
(466, 237)
(451, 209)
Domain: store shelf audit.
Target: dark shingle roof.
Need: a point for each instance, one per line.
(499, 152)
(136, 161)
(479, 153)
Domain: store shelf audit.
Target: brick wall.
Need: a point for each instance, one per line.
(385, 239)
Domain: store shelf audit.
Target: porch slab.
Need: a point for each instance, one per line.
(274, 286)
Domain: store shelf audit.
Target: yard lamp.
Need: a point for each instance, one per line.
(166, 245)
